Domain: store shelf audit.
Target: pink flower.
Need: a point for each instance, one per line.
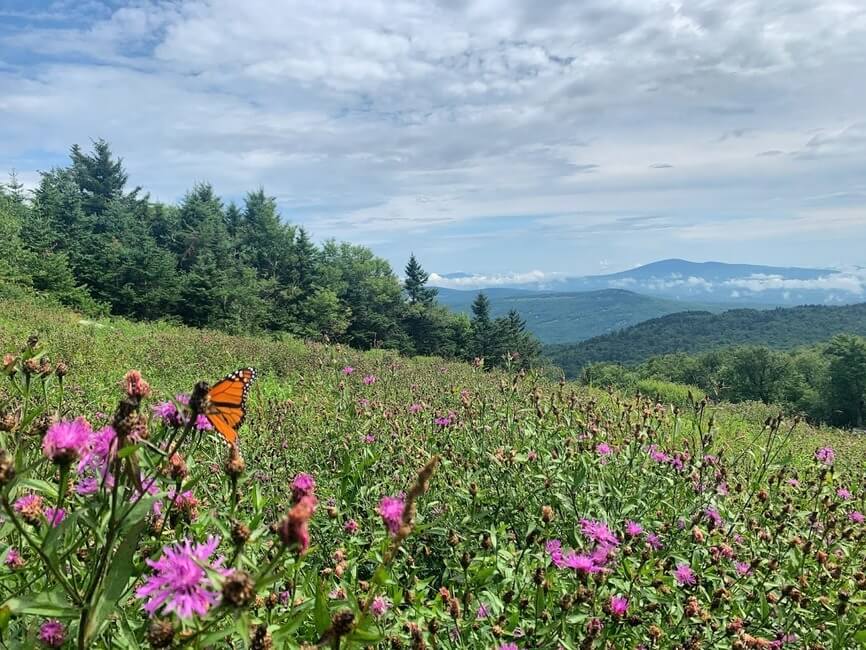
(482, 612)
(369, 380)
(351, 526)
(348, 370)
(13, 560)
(369, 439)
(603, 449)
(168, 413)
(55, 516)
(684, 574)
(509, 646)
(825, 455)
(714, 517)
(64, 442)
(391, 510)
(29, 507)
(294, 529)
(793, 482)
(379, 606)
(658, 455)
(202, 423)
(843, 494)
(598, 531)
(554, 550)
(133, 384)
(856, 517)
(52, 633)
(633, 528)
(100, 451)
(443, 421)
(581, 563)
(302, 485)
(180, 583)
(415, 408)
(743, 568)
(618, 605)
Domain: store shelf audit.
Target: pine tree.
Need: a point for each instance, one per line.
(99, 175)
(482, 330)
(415, 284)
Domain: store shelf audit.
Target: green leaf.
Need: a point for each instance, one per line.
(321, 614)
(41, 606)
(128, 451)
(116, 579)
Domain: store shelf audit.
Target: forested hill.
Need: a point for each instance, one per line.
(568, 316)
(699, 331)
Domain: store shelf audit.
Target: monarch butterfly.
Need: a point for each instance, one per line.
(228, 403)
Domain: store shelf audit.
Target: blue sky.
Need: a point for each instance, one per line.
(491, 136)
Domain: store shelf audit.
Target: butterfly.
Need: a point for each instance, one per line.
(228, 403)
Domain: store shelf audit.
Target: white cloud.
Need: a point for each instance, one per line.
(849, 282)
(538, 279)
(381, 119)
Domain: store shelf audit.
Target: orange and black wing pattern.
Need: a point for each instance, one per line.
(228, 403)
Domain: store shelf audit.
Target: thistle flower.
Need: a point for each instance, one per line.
(415, 408)
(168, 413)
(684, 574)
(303, 485)
(482, 612)
(856, 517)
(100, 451)
(843, 493)
(64, 442)
(654, 541)
(825, 455)
(598, 531)
(351, 526)
(580, 562)
(618, 605)
(391, 511)
(52, 633)
(369, 380)
(55, 516)
(180, 583)
(348, 370)
(29, 507)
(603, 449)
(379, 606)
(133, 384)
(14, 560)
(293, 530)
(509, 646)
(743, 568)
(633, 528)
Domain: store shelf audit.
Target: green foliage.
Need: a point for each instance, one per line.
(698, 332)
(88, 242)
(733, 491)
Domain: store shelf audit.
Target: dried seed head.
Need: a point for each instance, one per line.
(261, 638)
(239, 590)
(7, 467)
(160, 633)
(235, 464)
(240, 533)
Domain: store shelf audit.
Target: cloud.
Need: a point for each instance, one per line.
(537, 279)
(379, 120)
(849, 282)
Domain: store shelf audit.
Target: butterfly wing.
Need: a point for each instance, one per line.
(228, 403)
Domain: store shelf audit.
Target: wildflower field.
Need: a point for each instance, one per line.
(377, 501)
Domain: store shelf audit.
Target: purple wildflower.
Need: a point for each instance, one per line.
(351, 526)
(64, 442)
(369, 380)
(658, 455)
(843, 494)
(168, 413)
(618, 605)
(29, 507)
(482, 612)
(391, 511)
(202, 423)
(87, 486)
(52, 633)
(580, 562)
(55, 516)
(348, 370)
(633, 528)
(684, 574)
(14, 559)
(302, 485)
(180, 582)
(598, 531)
(654, 541)
(743, 568)
(415, 408)
(856, 517)
(825, 455)
(603, 449)
(379, 606)
(554, 550)
(714, 517)
(100, 451)
(509, 646)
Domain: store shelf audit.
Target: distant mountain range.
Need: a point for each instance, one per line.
(703, 282)
(559, 317)
(691, 332)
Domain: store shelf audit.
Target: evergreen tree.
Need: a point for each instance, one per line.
(482, 330)
(415, 284)
(847, 373)
(100, 177)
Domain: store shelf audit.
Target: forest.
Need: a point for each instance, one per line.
(90, 241)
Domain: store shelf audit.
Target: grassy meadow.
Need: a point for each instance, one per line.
(547, 514)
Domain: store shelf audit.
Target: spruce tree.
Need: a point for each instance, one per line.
(482, 329)
(415, 284)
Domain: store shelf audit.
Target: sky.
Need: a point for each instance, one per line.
(509, 138)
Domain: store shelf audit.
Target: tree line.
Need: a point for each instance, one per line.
(88, 240)
(824, 382)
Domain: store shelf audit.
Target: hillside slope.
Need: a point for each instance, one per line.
(699, 331)
(560, 317)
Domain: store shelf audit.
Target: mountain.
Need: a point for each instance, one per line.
(731, 285)
(558, 317)
(701, 331)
